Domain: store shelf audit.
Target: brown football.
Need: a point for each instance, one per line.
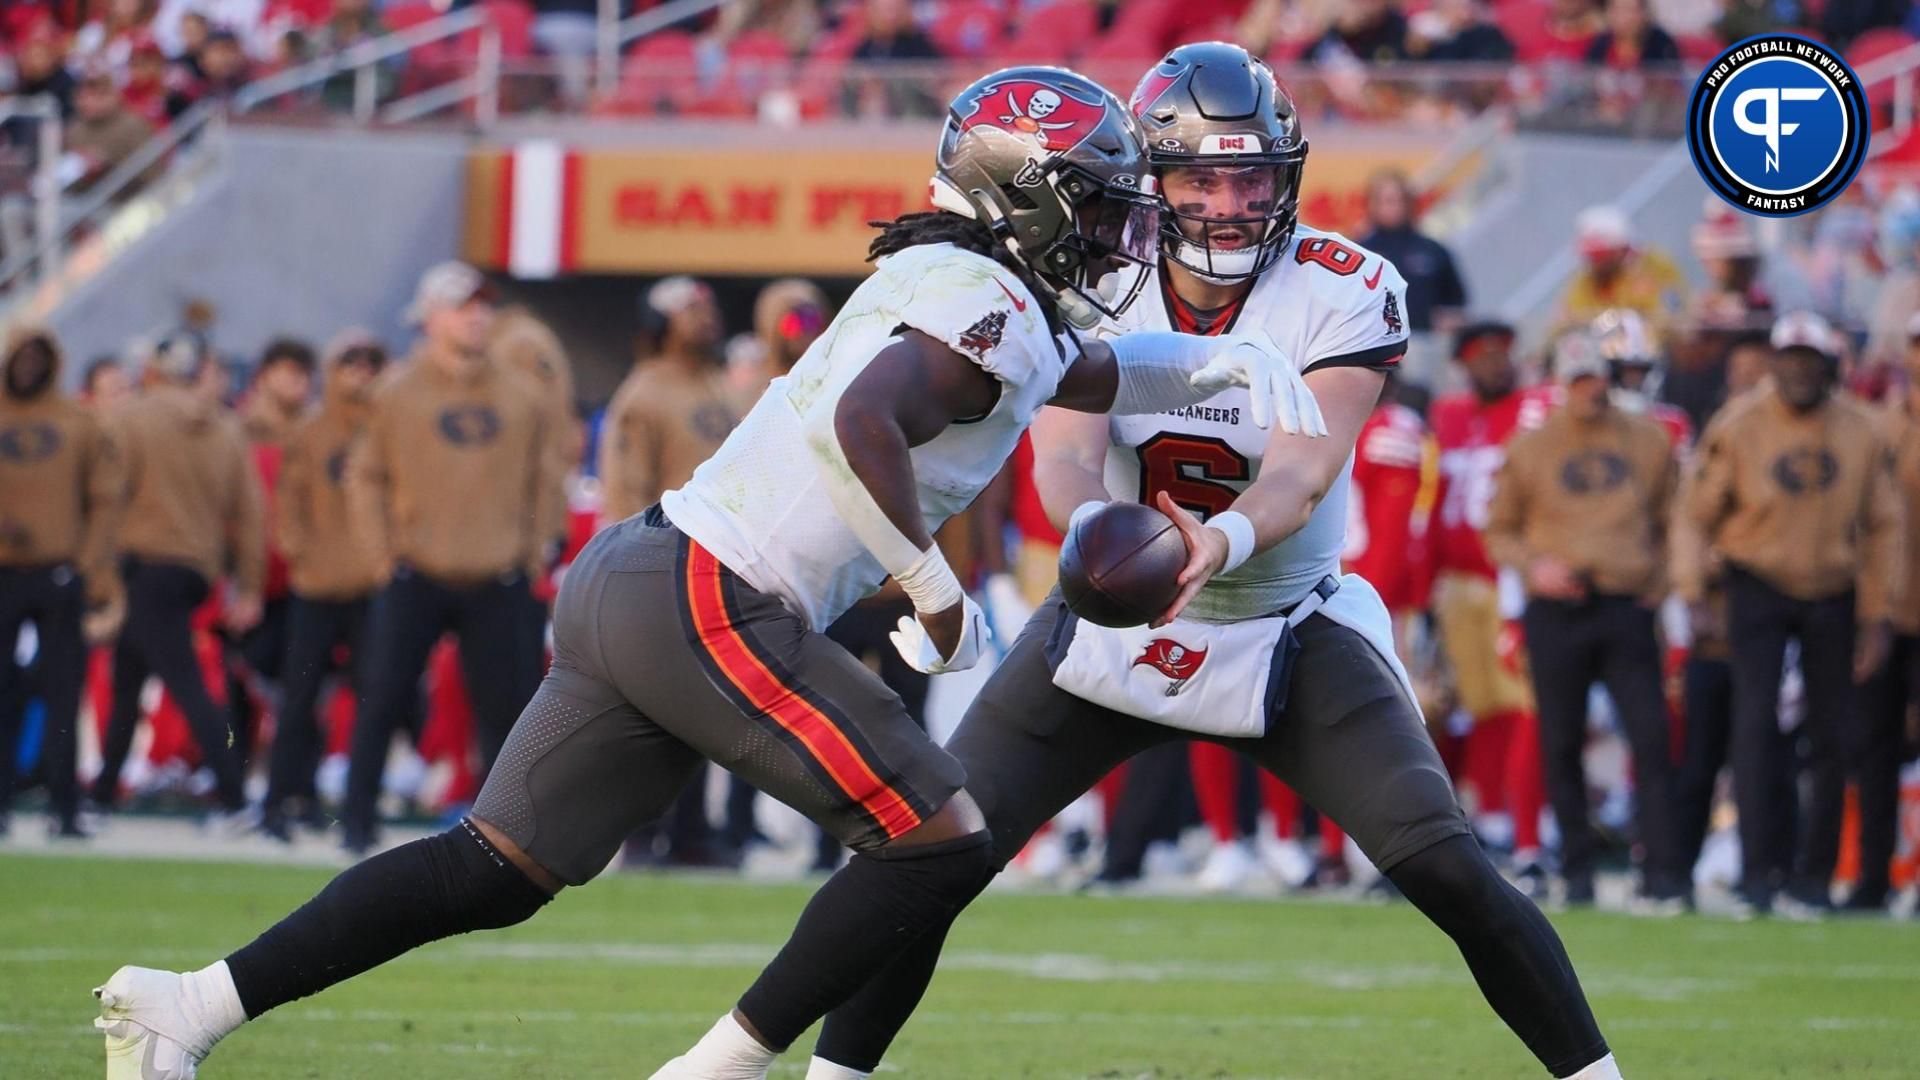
(1120, 566)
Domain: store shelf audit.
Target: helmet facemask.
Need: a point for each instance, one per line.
(1101, 261)
(1635, 368)
(1228, 222)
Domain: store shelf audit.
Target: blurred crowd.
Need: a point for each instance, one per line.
(785, 59)
(121, 70)
(1679, 626)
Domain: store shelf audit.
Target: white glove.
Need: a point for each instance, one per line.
(918, 651)
(1279, 393)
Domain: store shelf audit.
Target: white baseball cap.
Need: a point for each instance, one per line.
(1805, 330)
(1604, 228)
(672, 295)
(447, 285)
(1576, 355)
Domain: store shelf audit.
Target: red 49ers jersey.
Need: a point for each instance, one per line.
(1473, 435)
(1395, 476)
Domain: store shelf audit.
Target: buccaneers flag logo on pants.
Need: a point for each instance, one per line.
(1174, 660)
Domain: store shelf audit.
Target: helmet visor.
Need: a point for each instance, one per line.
(1124, 226)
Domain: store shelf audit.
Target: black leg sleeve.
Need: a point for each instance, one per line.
(865, 916)
(399, 900)
(858, 1033)
(1515, 956)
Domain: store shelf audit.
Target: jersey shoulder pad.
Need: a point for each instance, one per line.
(1354, 301)
(1339, 272)
(977, 308)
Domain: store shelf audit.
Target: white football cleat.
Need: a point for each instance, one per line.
(726, 1052)
(149, 1035)
(1288, 861)
(685, 1068)
(1228, 867)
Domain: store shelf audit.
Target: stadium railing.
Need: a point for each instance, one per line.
(77, 234)
(363, 64)
(33, 172)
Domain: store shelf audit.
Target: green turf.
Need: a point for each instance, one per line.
(612, 979)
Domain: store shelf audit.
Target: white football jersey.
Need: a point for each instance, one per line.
(1325, 301)
(759, 503)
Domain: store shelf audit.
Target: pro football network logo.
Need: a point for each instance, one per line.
(1778, 125)
(1174, 660)
(1049, 115)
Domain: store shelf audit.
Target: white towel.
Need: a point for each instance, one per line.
(1211, 678)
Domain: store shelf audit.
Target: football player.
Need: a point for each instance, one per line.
(695, 629)
(1265, 620)
(1477, 615)
(1636, 369)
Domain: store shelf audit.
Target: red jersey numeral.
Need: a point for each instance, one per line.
(1331, 254)
(1190, 468)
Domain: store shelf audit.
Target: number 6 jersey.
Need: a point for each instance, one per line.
(1327, 302)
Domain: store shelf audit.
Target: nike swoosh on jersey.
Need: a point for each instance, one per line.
(1018, 304)
(1371, 283)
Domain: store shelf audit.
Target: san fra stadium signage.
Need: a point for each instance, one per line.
(540, 209)
(543, 209)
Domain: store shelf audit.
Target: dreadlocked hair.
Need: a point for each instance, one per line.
(943, 227)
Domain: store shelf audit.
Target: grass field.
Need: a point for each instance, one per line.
(612, 979)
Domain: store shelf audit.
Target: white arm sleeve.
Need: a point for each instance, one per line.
(1155, 367)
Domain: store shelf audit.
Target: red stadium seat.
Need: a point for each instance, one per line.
(1053, 34)
(1150, 20)
(1698, 48)
(1877, 43)
(514, 19)
(1871, 46)
(822, 74)
(757, 61)
(659, 71)
(969, 28)
(1118, 60)
(406, 16)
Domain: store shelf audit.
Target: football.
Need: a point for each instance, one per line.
(1120, 565)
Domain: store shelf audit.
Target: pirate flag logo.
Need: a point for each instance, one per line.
(1174, 660)
(1049, 115)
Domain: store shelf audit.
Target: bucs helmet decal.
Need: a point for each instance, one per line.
(1052, 116)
